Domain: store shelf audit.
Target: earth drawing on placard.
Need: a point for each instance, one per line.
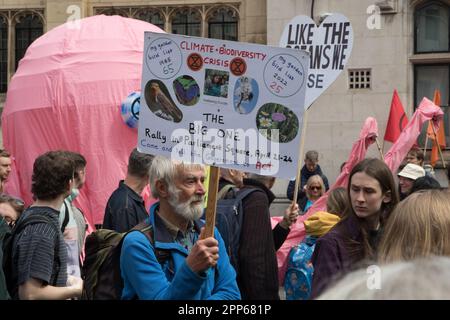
(186, 90)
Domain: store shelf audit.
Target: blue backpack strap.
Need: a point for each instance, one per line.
(161, 255)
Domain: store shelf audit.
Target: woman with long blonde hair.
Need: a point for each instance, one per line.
(418, 227)
(314, 189)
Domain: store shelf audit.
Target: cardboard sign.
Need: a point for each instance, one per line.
(329, 44)
(222, 103)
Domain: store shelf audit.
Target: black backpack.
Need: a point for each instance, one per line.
(4, 232)
(7, 238)
(229, 218)
(101, 269)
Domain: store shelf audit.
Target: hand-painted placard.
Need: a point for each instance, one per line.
(329, 45)
(223, 103)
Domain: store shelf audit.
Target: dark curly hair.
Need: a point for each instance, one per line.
(52, 172)
(4, 153)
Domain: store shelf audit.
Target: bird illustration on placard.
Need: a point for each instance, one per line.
(160, 104)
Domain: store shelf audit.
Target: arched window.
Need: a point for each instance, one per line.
(112, 12)
(432, 32)
(187, 22)
(223, 24)
(151, 16)
(432, 28)
(3, 54)
(28, 28)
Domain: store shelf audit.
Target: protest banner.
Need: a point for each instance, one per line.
(329, 45)
(222, 103)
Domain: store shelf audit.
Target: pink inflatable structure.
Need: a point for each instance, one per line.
(66, 94)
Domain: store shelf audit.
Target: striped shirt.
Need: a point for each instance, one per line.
(34, 250)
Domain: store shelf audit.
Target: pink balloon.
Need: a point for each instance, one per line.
(66, 94)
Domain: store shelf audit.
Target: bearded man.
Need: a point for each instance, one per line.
(198, 267)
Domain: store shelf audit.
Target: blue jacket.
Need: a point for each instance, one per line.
(145, 278)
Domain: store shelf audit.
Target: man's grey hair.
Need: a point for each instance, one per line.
(164, 169)
(139, 163)
(312, 155)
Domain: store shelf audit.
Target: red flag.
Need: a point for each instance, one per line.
(397, 119)
(427, 110)
(440, 133)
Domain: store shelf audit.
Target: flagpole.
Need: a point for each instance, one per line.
(379, 148)
(426, 144)
(438, 145)
(300, 157)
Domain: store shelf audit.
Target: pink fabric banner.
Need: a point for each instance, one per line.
(427, 110)
(367, 136)
(66, 94)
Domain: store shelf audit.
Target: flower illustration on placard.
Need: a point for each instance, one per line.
(274, 116)
(277, 116)
(265, 122)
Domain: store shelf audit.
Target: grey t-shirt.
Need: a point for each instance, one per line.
(34, 250)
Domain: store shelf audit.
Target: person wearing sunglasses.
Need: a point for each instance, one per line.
(314, 189)
(10, 209)
(311, 168)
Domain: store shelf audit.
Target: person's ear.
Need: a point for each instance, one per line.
(162, 189)
(70, 185)
(271, 183)
(387, 197)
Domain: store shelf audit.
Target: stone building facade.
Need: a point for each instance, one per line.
(398, 44)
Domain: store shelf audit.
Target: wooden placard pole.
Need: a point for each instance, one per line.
(212, 201)
(300, 157)
(379, 148)
(426, 145)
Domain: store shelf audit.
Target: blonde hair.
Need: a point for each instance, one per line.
(419, 279)
(418, 227)
(337, 201)
(318, 179)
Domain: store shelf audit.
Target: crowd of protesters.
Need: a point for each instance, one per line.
(373, 221)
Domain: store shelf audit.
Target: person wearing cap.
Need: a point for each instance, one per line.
(410, 173)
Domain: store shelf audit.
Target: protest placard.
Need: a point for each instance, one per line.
(329, 44)
(222, 103)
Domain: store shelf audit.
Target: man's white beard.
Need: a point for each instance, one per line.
(186, 209)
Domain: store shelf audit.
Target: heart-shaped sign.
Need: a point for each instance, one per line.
(329, 45)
